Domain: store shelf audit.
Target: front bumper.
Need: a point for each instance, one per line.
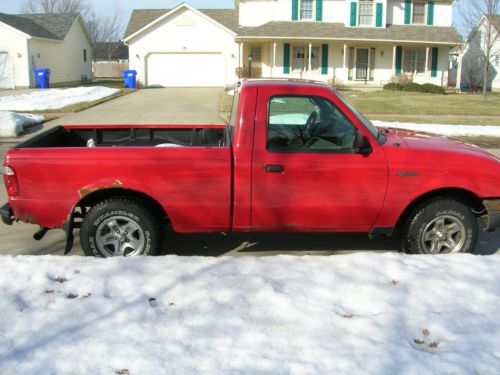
(7, 214)
(493, 207)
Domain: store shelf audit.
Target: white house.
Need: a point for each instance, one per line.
(356, 41)
(471, 57)
(59, 42)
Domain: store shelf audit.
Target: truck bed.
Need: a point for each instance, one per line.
(130, 136)
(167, 163)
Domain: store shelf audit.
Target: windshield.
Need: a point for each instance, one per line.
(367, 123)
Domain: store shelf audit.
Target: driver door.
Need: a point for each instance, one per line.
(306, 173)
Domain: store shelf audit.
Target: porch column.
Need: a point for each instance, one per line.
(344, 63)
(242, 59)
(427, 49)
(394, 59)
(309, 63)
(274, 59)
(459, 70)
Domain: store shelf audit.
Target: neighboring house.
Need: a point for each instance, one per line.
(59, 42)
(471, 58)
(110, 60)
(357, 42)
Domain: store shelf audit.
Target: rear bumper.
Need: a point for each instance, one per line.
(7, 214)
(493, 207)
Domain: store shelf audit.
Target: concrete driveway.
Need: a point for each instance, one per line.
(153, 106)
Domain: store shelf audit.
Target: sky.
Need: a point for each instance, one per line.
(13, 6)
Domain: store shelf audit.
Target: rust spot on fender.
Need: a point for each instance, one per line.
(88, 190)
(25, 218)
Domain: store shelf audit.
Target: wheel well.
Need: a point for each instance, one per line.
(462, 195)
(100, 195)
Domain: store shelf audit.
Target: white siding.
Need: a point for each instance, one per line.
(184, 32)
(64, 59)
(16, 45)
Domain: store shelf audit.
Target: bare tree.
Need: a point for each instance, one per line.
(106, 28)
(479, 19)
(56, 6)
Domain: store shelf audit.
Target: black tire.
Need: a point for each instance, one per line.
(423, 233)
(146, 226)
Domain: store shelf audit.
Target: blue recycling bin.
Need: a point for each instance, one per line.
(130, 78)
(42, 77)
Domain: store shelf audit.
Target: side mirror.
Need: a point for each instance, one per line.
(362, 144)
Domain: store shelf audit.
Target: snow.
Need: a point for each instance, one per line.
(13, 124)
(54, 98)
(449, 130)
(346, 314)
(289, 119)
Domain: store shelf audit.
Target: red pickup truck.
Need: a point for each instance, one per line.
(296, 157)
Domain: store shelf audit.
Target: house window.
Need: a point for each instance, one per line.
(85, 55)
(299, 58)
(306, 9)
(414, 60)
(366, 13)
(255, 53)
(497, 60)
(418, 13)
(315, 58)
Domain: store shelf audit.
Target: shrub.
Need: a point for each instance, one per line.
(337, 84)
(393, 86)
(413, 87)
(433, 89)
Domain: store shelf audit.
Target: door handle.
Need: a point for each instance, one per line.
(275, 168)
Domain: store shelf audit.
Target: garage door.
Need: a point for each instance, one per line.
(6, 71)
(186, 70)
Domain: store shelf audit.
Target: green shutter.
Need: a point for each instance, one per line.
(319, 10)
(430, 13)
(399, 59)
(434, 63)
(353, 13)
(286, 58)
(324, 59)
(380, 8)
(407, 12)
(295, 10)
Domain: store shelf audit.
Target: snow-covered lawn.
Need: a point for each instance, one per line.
(347, 314)
(54, 98)
(450, 130)
(13, 124)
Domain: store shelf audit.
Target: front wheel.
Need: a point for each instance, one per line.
(440, 226)
(120, 228)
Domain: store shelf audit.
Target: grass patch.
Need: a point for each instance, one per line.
(409, 103)
(484, 142)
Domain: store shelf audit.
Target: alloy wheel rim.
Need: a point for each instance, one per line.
(445, 234)
(120, 236)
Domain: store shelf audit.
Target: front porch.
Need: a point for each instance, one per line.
(351, 63)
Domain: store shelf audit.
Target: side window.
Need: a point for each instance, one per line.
(308, 124)
(85, 55)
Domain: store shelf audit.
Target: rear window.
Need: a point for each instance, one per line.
(234, 108)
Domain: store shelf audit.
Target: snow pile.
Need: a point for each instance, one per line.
(450, 130)
(347, 314)
(13, 124)
(54, 98)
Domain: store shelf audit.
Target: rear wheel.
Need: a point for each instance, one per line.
(440, 226)
(120, 227)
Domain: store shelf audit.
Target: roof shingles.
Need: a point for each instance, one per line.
(310, 30)
(48, 26)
